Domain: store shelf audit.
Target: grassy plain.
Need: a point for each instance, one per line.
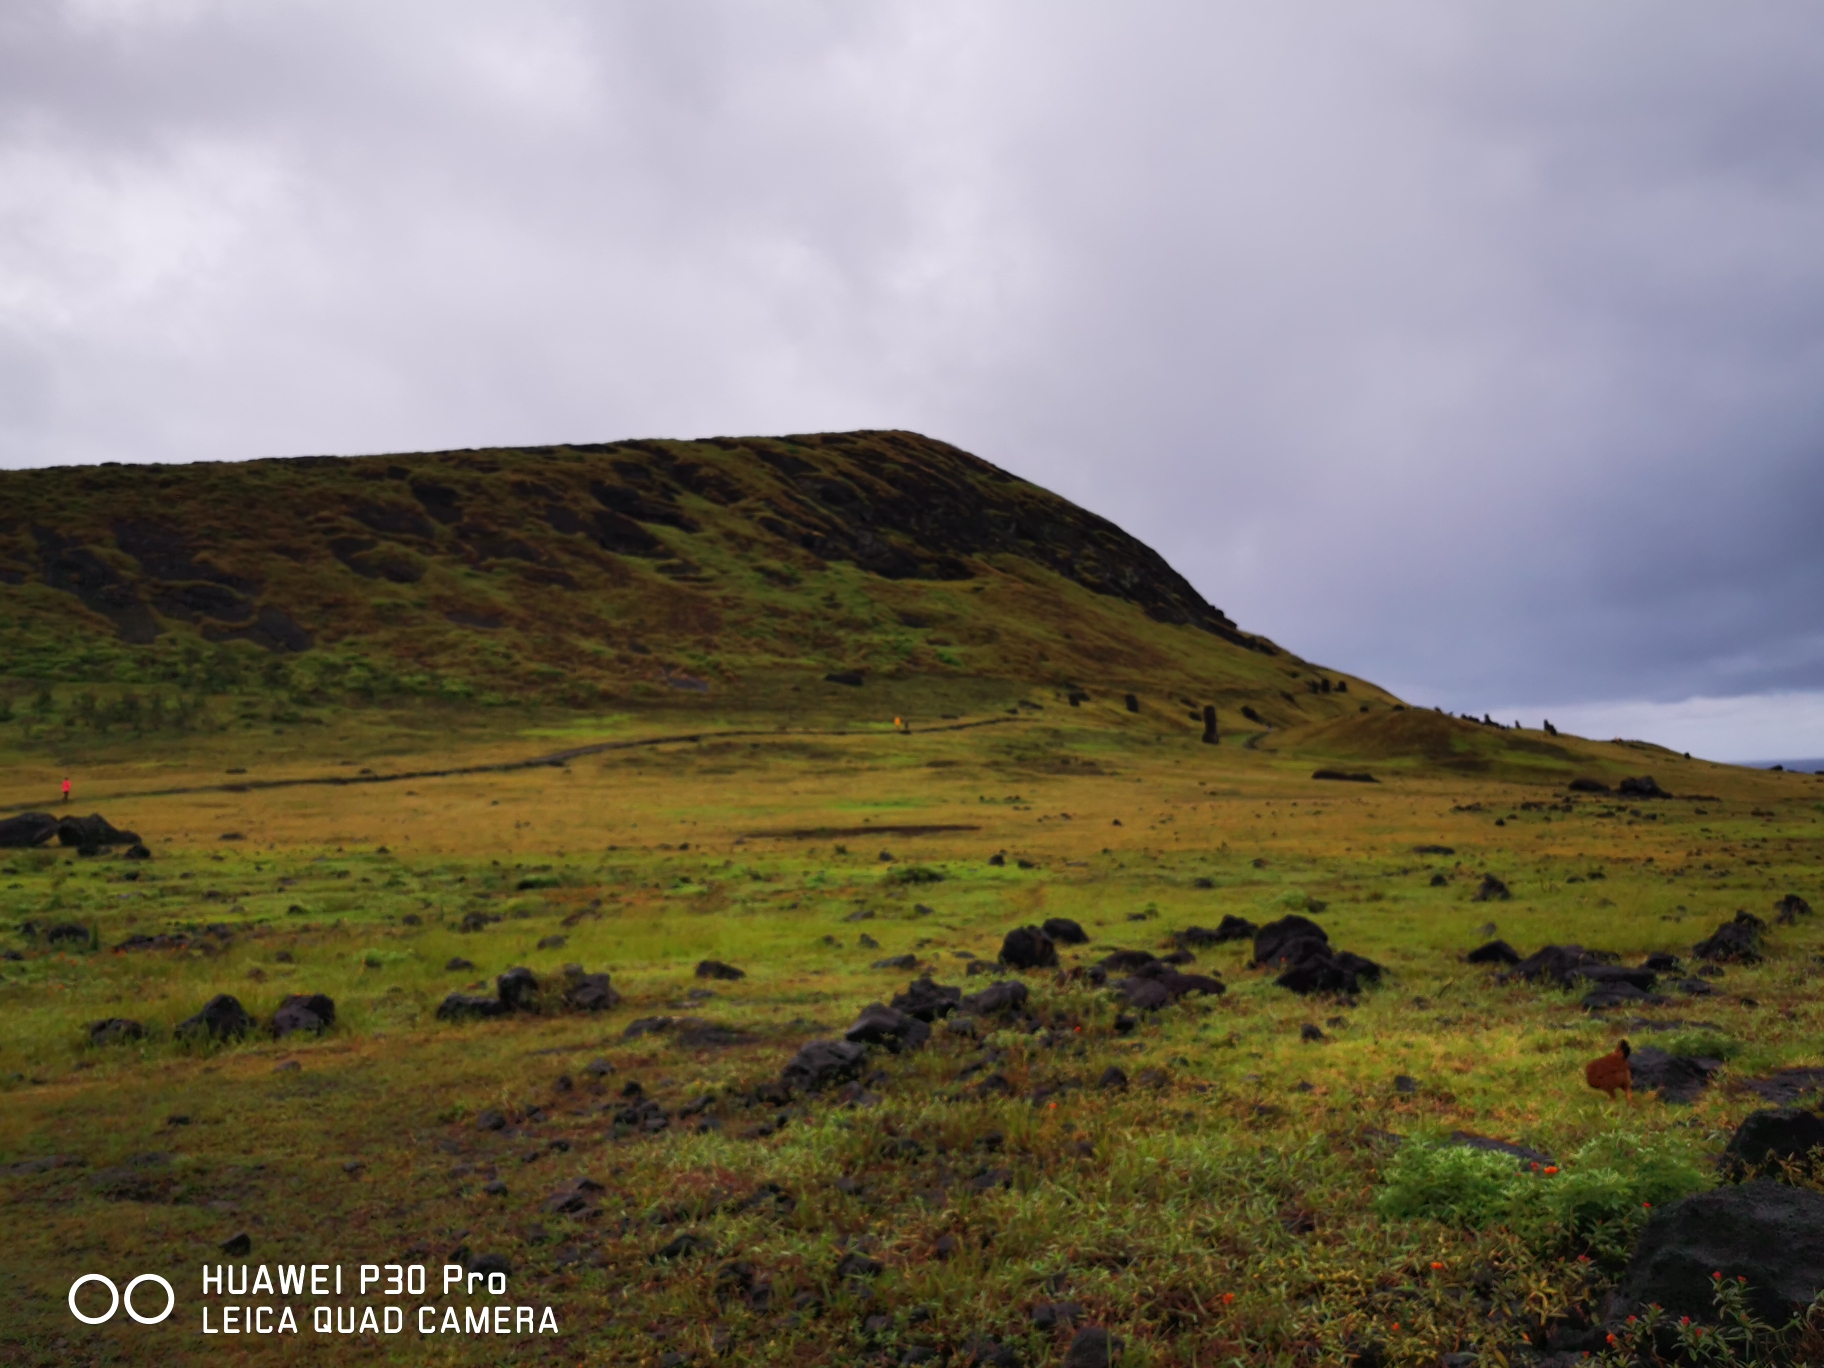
(1221, 1209)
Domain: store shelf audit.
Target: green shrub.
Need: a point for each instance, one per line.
(1593, 1202)
(915, 874)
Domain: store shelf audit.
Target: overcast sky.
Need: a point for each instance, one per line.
(1475, 349)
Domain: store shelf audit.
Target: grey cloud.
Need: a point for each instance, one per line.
(1479, 352)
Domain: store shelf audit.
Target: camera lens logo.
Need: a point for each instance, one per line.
(119, 1298)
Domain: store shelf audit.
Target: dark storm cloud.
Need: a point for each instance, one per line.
(1476, 351)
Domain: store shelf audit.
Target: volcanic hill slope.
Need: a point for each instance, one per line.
(745, 570)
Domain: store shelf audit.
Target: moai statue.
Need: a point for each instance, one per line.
(1209, 725)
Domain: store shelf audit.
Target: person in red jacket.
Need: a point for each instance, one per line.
(66, 790)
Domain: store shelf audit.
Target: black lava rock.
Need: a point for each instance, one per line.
(823, 1063)
(715, 969)
(1093, 1347)
(1027, 947)
(222, 1018)
(1064, 931)
(518, 988)
(470, 1007)
(1766, 1137)
(1495, 952)
(1002, 999)
(1492, 890)
(1677, 1078)
(114, 1031)
(313, 1012)
(1772, 1234)
(26, 830)
(926, 1000)
(879, 1024)
(588, 992)
(1734, 942)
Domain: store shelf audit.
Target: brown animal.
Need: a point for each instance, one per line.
(1611, 1072)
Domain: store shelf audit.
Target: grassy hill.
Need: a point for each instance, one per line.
(741, 570)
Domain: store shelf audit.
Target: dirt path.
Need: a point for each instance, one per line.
(555, 759)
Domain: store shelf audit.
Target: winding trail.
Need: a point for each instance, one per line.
(555, 760)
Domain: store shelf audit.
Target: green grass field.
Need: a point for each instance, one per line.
(1238, 1202)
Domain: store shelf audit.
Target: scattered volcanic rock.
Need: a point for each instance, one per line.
(1434, 850)
(1301, 949)
(1345, 776)
(926, 1000)
(896, 962)
(1773, 1135)
(1492, 890)
(1772, 1234)
(458, 965)
(823, 1063)
(1643, 787)
(1064, 931)
(1027, 947)
(1584, 785)
(715, 969)
(1495, 952)
(115, 1030)
(313, 1012)
(879, 1024)
(222, 1018)
(1734, 942)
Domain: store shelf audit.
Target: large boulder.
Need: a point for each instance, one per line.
(1777, 1133)
(222, 1018)
(927, 1000)
(1734, 942)
(1064, 931)
(1772, 1234)
(879, 1024)
(1280, 942)
(588, 992)
(1677, 1078)
(1790, 908)
(1646, 786)
(1334, 972)
(518, 988)
(824, 1063)
(1230, 928)
(1027, 947)
(26, 830)
(1554, 963)
(115, 1030)
(1002, 999)
(313, 1012)
(1495, 952)
(470, 1007)
(1144, 994)
(92, 832)
(716, 969)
